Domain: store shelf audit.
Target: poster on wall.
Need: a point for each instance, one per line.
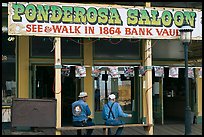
(65, 70)
(200, 72)
(129, 71)
(173, 72)
(159, 71)
(113, 72)
(96, 71)
(80, 71)
(141, 71)
(190, 72)
(6, 115)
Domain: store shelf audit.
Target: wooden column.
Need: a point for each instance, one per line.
(199, 97)
(57, 42)
(147, 94)
(144, 102)
(23, 66)
(148, 85)
(88, 80)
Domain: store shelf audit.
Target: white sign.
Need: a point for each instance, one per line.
(80, 71)
(173, 72)
(6, 115)
(100, 20)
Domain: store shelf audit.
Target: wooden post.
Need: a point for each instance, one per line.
(105, 131)
(148, 82)
(23, 67)
(148, 85)
(88, 80)
(199, 97)
(58, 67)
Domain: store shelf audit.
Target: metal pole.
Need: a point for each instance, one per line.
(187, 109)
(106, 88)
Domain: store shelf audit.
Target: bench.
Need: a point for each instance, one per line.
(104, 127)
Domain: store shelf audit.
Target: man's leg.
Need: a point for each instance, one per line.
(109, 131)
(89, 123)
(89, 131)
(77, 124)
(79, 132)
(119, 131)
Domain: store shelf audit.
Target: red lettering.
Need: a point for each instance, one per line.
(77, 29)
(34, 28)
(65, 29)
(159, 32)
(70, 29)
(39, 28)
(165, 32)
(177, 32)
(149, 31)
(56, 28)
(142, 31)
(117, 30)
(28, 28)
(134, 31)
(127, 31)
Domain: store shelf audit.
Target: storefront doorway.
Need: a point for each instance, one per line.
(125, 85)
(43, 88)
(174, 97)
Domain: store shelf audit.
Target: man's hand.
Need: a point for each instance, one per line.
(129, 115)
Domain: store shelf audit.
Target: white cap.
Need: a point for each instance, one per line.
(82, 94)
(111, 96)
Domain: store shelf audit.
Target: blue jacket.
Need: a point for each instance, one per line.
(116, 109)
(80, 110)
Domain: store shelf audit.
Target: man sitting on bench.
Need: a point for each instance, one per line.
(81, 111)
(111, 113)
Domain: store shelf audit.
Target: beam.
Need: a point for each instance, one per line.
(57, 45)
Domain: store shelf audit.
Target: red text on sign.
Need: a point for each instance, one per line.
(34, 28)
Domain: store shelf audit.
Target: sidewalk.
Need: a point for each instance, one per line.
(166, 129)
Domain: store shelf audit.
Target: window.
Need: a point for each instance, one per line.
(8, 69)
(117, 49)
(44, 47)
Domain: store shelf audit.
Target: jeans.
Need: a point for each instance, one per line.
(118, 131)
(115, 122)
(84, 124)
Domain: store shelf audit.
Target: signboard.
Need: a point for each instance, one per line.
(80, 71)
(173, 72)
(6, 115)
(200, 72)
(190, 72)
(100, 20)
(159, 71)
(113, 71)
(129, 71)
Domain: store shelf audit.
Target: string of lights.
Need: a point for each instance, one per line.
(81, 43)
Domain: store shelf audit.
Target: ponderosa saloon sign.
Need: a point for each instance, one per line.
(100, 21)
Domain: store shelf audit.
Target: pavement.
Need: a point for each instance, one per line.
(165, 129)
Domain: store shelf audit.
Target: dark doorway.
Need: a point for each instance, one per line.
(44, 86)
(71, 86)
(44, 82)
(174, 96)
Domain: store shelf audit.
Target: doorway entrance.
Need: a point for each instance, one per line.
(174, 96)
(123, 81)
(43, 88)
